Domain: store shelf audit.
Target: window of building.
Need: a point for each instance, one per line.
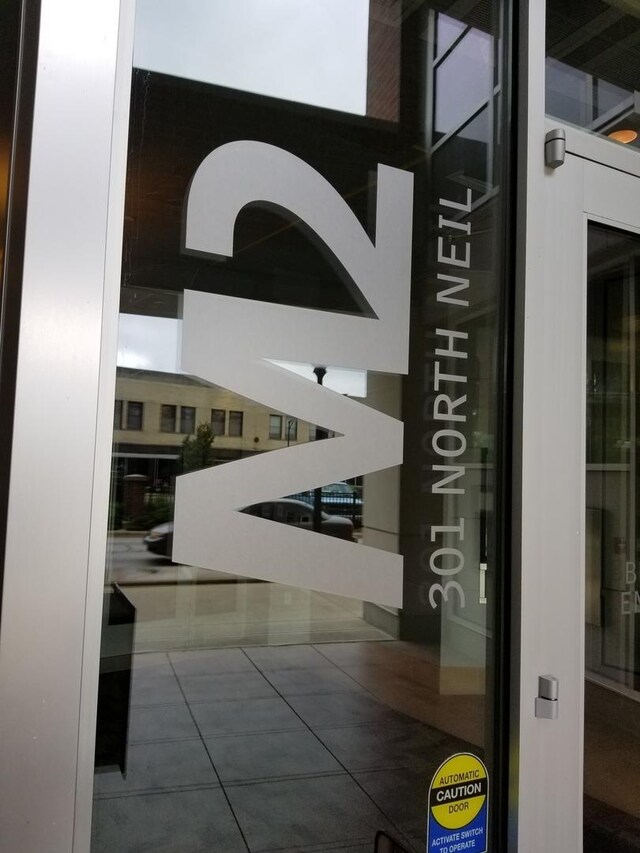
(134, 415)
(218, 421)
(187, 419)
(292, 429)
(117, 415)
(275, 426)
(235, 423)
(167, 418)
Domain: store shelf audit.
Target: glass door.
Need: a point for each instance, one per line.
(581, 545)
(612, 605)
(301, 621)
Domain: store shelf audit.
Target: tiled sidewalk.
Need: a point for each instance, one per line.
(273, 748)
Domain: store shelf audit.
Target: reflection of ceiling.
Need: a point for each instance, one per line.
(175, 123)
(601, 38)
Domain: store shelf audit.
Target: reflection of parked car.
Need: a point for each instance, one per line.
(300, 514)
(159, 540)
(338, 499)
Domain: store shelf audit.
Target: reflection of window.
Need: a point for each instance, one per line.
(275, 426)
(292, 429)
(117, 415)
(218, 420)
(134, 415)
(187, 419)
(167, 418)
(235, 423)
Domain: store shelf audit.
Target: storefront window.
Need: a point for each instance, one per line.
(316, 209)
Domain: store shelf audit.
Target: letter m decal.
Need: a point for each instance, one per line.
(230, 342)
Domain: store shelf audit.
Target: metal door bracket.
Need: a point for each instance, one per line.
(547, 698)
(555, 148)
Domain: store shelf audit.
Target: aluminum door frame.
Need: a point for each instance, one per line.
(59, 483)
(598, 182)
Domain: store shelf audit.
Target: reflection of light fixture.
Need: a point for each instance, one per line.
(625, 135)
(622, 123)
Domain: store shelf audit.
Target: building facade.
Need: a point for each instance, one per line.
(155, 412)
(386, 243)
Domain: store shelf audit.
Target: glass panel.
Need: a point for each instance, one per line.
(134, 415)
(298, 634)
(593, 66)
(187, 419)
(275, 426)
(168, 419)
(292, 430)
(612, 690)
(235, 424)
(218, 420)
(448, 30)
(466, 76)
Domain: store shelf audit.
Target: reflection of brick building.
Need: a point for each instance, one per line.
(155, 412)
(383, 65)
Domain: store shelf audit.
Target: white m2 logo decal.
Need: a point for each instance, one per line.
(228, 341)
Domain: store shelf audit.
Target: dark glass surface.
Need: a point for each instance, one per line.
(272, 716)
(612, 721)
(593, 65)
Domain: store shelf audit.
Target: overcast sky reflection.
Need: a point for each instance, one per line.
(302, 50)
(153, 343)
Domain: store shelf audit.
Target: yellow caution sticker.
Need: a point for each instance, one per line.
(458, 806)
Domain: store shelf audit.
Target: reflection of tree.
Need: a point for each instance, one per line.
(197, 450)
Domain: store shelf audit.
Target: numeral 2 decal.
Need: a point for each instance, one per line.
(231, 341)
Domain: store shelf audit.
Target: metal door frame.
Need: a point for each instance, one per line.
(64, 385)
(597, 182)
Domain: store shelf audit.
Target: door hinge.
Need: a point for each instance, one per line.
(547, 698)
(555, 148)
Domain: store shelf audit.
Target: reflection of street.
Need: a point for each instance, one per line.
(181, 607)
(128, 561)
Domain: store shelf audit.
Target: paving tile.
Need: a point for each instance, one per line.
(155, 685)
(226, 685)
(238, 716)
(342, 709)
(149, 660)
(326, 811)
(210, 661)
(298, 682)
(161, 722)
(359, 653)
(379, 747)
(160, 766)
(402, 794)
(275, 755)
(185, 821)
(271, 658)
